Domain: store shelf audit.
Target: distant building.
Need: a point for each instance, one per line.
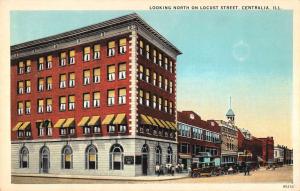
(267, 149)
(278, 154)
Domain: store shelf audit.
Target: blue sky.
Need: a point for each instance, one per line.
(243, 54)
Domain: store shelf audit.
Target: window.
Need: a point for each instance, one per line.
(166, 63)
(96, 99)
(49, 83)
(122, 46)
(141, 97)
(86, 77)
(44, 159)
(97, 129)
(87, 53)
(116, 157)
(67, 157)
(40, 84)
(158, 154)
(171, 87)
(24, 157)
(141, 72)
(28, 107)
(62, 80)
(111, 72)
(111, 97)
(39, 125)
(97, 51)
(20, 87)
(122, 71)
(49, 105)
(86, 130)
(91, 157)
(41, 63)
(63, 59)
(159, 59)
(122, 128)
(184, 148)
(72, 57)
(147, 51)
(111, 48)
(86, 100)
(154, 79)
(159, 103)
(71, 79)
(171, 107)
(141, 47)
(40, 106)
(20, 108)
(147, 75)
(154, 101)
(160, 81)
(111, 128)
(62, 131)
(28, 86)
(122, 96)
(49, 62)
(62, 103)
(154, 57)
(166, 105)
(21, 68)
(28, 66)
(171, 66)
(71, 102)
(166, 84)
(170, 155)
(148, 99)
(96, 75)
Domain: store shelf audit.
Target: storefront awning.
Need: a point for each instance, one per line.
(169, 124)
(120, 119)
(69, 122)
(94, 121)
(18, 125)
(174, 125)
(24, 125)
(159, 123)
(152, 121)
(145, 120)
(83, 121)
(59, 123)
(165, 124)
(108, 119)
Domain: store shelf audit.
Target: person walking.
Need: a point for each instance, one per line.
(172, 170)
(245, 169)
(157, 169)
(248, 169)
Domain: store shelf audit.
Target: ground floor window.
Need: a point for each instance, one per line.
(97, 129)
(91, 157)
(86, 130)
(158, 154)
(116, 157)
(67, 157)
(122, 128)
(24, 158)
(170, 155)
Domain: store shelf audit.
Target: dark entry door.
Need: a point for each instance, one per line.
(145, 163)
(45, 165)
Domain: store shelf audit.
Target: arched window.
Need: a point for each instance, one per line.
(45, 159)
(158, 155)
(67, 157)
(24, 158)
(116, 157)
(91, 157)
(170, 155)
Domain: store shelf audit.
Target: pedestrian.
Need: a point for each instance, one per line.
(248, 169)
(157, 169)
(172, 170)
(245, 170)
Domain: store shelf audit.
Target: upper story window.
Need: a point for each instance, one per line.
(122, 46)
(110, 97)
(160, 81)
(154, 78)
(111, 72)
(96, 75)
(28, 86)
(184, 130)
(40, 84)
(166, 105)
(86, 77)
(72, 57)
(87, 53)
(49, 83)
(160, 59)
(97, 51)
(86, 100)
(154, 101)
(40, 106)
(141, 72)
(171, 107)
(147, 51)
(28, 107)
(71, 79)
(71, 100)
(154, 56)
(62, 80)
(49, 62)
(111, 48)
(147, 77)
(21, 67)
(28, 66)
(96, 99)
(41, 63)
(166, 84)
(63, 59)
(171, 87)
(159, 103)
(122, 71)
(20, 108)
(62, 103)
(141, 97)
(171, 66)
(141, 47)
(122, 96)
(166, 63)
(148, 99)
(49, 105)
(20, 87)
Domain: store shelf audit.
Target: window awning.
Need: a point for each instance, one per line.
(159, 123)
(24, 125)
(18, 125)
(120, 119)
(165, 124)
(40, 123)
(152, 121)
(94, 121)
(48, 123)
(145, 120)
(59, 123)
(108, 119)
(174, 125)
(83, 121)
(169, 124)
(69, 122)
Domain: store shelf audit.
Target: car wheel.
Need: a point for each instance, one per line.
(195, 175)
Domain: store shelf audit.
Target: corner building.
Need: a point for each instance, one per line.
(99, 100)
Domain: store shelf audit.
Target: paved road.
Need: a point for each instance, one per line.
(282, 175)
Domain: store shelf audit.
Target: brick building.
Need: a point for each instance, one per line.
(267, 149)
(99, 100)
(198, 140)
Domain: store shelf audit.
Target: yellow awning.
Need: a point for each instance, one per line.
(169, 124)
(145, 120)
(165, 124)
(159, 123)
(152, 120)
(94, 121)
(83, 121)
(120, 119)
(69, 122)
(59, 123)
(108, 119)
(17, 126)
(24, 125)
(174, 125)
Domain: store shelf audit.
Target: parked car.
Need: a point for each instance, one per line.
(206, 169)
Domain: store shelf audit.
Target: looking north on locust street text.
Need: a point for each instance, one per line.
(195, 7)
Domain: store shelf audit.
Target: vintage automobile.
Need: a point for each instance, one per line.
(206, 169)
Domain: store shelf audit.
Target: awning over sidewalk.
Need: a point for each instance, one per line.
(152, 121)
(18, 125)
(94, 121)
(83, 121)
(24, 125)
(145, 120)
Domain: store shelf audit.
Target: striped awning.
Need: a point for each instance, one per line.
(120, 119)
(159, 122)
(145, 120)
(94, 121)
(165, 124)
(83, 121)
(108, 119)
(152, 121)
(59, 123)
(69, 122)
(18, 125)
(169, 124)
(24, 125)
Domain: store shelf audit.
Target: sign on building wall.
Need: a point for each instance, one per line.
(129, 160)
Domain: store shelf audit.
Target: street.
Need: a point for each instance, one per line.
(280, 175)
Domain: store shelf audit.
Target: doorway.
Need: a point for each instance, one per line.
(45, 160)
(145, 152)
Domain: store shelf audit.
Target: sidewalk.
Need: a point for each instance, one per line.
(123, 178)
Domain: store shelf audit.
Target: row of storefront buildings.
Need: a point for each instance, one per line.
(101, 100)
